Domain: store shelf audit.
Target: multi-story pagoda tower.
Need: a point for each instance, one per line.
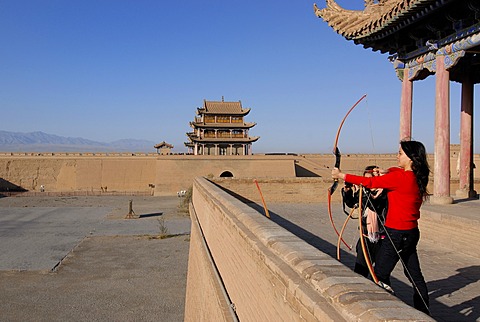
(219, 129)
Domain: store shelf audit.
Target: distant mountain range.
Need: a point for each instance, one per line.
(43, 142)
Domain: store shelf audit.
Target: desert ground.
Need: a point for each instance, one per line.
(79, 259)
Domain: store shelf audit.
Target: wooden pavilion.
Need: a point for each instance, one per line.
(423, 38)
(163, 148)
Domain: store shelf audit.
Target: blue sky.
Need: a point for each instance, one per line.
(107, 70)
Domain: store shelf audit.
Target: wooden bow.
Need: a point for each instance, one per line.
(338, 157)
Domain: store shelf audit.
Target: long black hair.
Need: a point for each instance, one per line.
(416, 152)
(369, 169)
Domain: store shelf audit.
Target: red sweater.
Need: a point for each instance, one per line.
(404, 199)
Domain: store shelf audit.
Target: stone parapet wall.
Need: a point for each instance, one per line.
(453, 232)
(204, 287)
(271, 275)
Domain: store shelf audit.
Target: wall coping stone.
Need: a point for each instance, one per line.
(351, 295)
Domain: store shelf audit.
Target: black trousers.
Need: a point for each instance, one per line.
(405, 243)
(372, 252)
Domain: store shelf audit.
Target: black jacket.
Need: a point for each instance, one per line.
(378, 204)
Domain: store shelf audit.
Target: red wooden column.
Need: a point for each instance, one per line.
(441, 180)
(466, 188)
(406, 107)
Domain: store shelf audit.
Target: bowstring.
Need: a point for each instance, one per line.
(371, 130)
(362, 214)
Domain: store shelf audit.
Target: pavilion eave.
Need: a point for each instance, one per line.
(401, 27)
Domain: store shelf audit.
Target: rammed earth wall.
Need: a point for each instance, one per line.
(152, 174)
(285, 177)
(64, 174)
(177, 172)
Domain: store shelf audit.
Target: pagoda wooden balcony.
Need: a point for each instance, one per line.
(225, 136)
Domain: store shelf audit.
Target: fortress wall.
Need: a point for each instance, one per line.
(350, 162)
(75, 154)
(130, 172)
(169, 174)
(271, 275)
(30, 173)
(78, 173)
(307, 190)
(116, 174)
(175, 173)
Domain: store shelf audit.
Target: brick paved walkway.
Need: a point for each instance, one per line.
(453, 278)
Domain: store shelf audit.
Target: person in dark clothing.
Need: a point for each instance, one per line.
(374, 204)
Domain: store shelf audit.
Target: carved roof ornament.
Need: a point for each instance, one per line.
(378, 16)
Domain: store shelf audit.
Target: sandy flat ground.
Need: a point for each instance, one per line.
(78, 259)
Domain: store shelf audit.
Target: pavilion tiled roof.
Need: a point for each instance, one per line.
(163, 144)
(404, 28)
(384, 16)
(221, 107)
